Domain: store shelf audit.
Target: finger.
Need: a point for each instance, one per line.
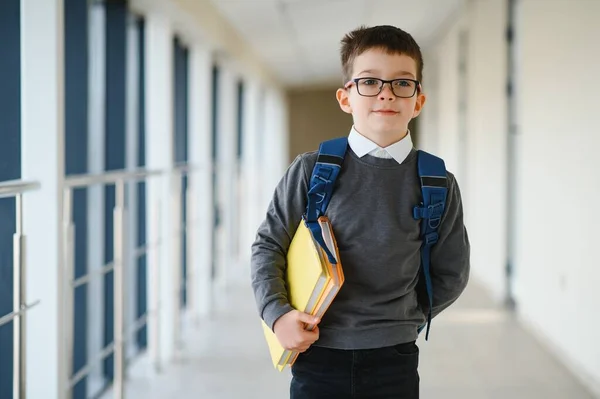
(308, 319)
(314, 331)
(303, 346)
(310, 337)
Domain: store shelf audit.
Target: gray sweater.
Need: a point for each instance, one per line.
(371, 212)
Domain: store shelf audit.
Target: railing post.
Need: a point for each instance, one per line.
(155, 306)
(119, 297)
(190, 227)
(19, 323)
(68, 294)
(176, 264)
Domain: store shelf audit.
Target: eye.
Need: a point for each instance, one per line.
(370, 82)
(403, 83)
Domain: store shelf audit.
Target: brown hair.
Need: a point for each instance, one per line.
(389, 38)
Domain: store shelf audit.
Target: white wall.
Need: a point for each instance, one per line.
(275, 143)
(265, 159)
(428, 120)
(446, 98)
(159, 156)
(557, 267)
(479, 162)
(250, 178)
(95, 205)
(42, 150)
(556, 270)
(131, 158)
(200, 150)
(226, 179)
(484, 187)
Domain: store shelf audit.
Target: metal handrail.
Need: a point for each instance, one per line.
(107, 268)
(111, 177)
(183, 167)
(122, 332)
(12, 188)
(16, 189)
(13, 315)
(118, 178)
(97, 273)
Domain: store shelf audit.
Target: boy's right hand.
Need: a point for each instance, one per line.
(291, 333)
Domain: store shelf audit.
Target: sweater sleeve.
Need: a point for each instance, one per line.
(450, 256)
(268, 261)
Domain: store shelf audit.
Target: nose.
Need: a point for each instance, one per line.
(386, 92)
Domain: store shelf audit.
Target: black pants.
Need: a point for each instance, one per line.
(389, 372)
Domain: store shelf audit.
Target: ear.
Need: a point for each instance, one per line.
(342, 97)
(421, 99)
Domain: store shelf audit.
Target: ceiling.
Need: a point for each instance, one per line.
(299, 40)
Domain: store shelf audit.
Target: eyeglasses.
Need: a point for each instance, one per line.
(371, 87)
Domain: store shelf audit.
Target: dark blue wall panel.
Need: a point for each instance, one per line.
(76, 162)
(240, 120)
(181, 58)
(116, 39)
(181, 68)
(10, 169)
(142, 278)
(215, 146)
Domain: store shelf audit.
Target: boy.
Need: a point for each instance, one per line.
(365, 344)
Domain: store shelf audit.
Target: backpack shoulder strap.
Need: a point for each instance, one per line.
(434, 188)
(324, 174)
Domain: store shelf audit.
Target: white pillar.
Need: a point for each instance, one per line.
(251, 178)
(42, 117)
(262, 170)
(200, 153)
(226, 158)
(159, 150)
(275, 142)
(428, 120)
(95, 211)
(131, 163)
(282, 131)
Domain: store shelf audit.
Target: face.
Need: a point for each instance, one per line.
(385, 117)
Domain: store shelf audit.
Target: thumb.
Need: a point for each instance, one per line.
(308, 319)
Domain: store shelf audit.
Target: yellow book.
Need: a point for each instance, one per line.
(333, 285)
(309, 277)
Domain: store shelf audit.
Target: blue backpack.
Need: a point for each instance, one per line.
(434, 189)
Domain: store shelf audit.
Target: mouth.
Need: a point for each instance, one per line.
(385, 112)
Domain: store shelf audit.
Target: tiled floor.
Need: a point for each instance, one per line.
(475, 351)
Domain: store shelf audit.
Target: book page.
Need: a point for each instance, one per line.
(328, 238)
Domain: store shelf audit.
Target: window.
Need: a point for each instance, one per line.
(10, 169)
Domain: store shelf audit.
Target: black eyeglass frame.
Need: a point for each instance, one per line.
(383, 82)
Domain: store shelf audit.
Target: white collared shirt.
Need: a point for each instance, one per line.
(363, 146)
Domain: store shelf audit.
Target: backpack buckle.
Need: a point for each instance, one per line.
(435, 212)
(431, 238)
(418, 212)
(324, 180)
(434, 223)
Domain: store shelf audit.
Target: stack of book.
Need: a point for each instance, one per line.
(312, 282)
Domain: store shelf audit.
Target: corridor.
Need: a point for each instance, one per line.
(476, 351)
(141, 142)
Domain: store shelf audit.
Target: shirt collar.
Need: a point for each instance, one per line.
(363, 146)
